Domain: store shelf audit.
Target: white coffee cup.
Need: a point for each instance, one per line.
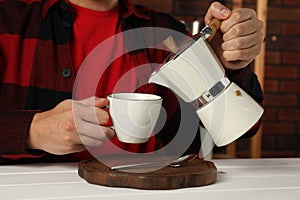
(134, 115)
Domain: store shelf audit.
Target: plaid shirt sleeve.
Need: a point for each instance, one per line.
(14, 131)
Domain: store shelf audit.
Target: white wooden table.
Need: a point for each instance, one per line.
(253, 179)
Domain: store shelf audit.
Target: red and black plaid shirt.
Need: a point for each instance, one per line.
(36, 71)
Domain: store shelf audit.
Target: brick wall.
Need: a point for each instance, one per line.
(282, 85)
(281, 126)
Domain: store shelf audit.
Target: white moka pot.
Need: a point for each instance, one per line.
(197, 75)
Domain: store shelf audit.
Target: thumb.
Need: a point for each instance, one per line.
(218, 11)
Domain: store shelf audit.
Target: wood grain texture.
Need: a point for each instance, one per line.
(193, 174)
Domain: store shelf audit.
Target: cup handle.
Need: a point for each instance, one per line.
(106, 108)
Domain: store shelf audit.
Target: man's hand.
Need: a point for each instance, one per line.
(70, 127)
(240, 38)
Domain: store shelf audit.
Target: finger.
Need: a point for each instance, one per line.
(242, 54)
(94, 136)
(244, 42)
(237, 16)
(89, 114)
(96, 115)
(217, 10)
(244, 28)
(90, 142)
(234, 65)
(98, 132)
(95, 101)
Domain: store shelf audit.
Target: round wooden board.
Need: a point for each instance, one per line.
(193, 174)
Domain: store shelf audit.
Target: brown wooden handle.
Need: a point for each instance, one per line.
(214, 26)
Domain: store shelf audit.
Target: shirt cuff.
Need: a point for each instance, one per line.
(14, 132)
(240, 76)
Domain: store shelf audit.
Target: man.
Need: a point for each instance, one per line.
(43, 44)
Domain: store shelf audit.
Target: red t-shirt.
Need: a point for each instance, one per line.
(93, 28)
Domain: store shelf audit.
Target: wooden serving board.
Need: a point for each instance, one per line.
(192, 174)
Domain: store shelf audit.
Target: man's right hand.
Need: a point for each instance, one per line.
(71, 126)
